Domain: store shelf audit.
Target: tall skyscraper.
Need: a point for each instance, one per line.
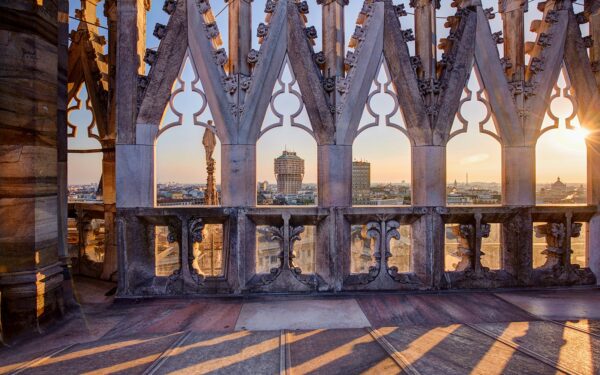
(361, 182)
(289, 171)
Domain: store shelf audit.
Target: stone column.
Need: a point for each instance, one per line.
(428, 188)
(61, 131)
(518, 175)
(334, 160)
(333, 36)
(428, 175)
(135, 169)
(594, 18)
(335, 175)
(109, 173)
(593, 148)
(30, 268)
(425, 37)
(593, 198)
(240, 36)
(109, 195)
(513, 17)
(238, 177)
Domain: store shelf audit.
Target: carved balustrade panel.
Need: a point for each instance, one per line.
(285, 253)
(380, 251)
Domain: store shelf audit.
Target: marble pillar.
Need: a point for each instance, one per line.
(30, 268)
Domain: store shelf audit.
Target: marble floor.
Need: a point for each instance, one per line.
(514, 332)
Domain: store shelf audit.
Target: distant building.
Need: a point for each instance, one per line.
(560, 193)
(289, 172)
(361, 182)
(263, 186)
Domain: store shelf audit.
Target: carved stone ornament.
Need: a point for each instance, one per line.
(172, 234)
(319, 58)
(245, 82)
(400, 10)
(497, 37)
(295, 233)
(196, 227)
(366, 10)
(262, 31)
(270, 6)
(544, 40)
(489, 13)
(169, 6)
(236, 109)
(464, 238)
(203, 6)
(220, 56)
(252, 57)
(302, 7)
(506, 63)
(377, 237)
(555, 235)
(230, 84)
(311, 32)
(415, 62)
(447, 62)
(551, 17)
(342, 85)
(160, 31)
(350, 60)
(536, 65)
(143, 82)
(150, 56)
(359, 33)
(212, 30)
(329, 84)
(408, 35)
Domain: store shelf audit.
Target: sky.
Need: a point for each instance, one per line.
(180, 155)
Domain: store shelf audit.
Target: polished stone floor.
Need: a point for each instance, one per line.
(513, 332)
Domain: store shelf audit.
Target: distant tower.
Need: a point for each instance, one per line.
(467, 178)
(211, 197)
(289, 171)
(361, 181)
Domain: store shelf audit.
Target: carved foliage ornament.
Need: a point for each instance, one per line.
(378, 234)
(556, 235)
(196, 228)
(465, 244)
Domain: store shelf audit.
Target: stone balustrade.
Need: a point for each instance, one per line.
(324, 250)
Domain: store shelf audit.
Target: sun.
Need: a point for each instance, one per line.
(570, 141)
(574, 137)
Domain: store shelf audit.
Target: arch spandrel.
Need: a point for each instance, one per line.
(271, 58)
(165, 64)
(581, 75)
(309, 78)
(544, 66)
(429, 107)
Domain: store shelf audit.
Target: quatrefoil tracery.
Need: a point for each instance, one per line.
(286, 87)
(179, 87)
(382, 88)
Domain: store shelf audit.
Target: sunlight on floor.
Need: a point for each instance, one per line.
(419, 347)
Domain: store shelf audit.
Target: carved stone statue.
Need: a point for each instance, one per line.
(209, 141)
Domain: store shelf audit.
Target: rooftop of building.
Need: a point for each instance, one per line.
(526, 331)
(291, 155)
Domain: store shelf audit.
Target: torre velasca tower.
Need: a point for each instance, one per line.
(289, 171)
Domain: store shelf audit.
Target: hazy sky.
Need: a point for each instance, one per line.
(180, 156)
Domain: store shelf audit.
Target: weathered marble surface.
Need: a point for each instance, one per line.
(30, 272)
(428, 333)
